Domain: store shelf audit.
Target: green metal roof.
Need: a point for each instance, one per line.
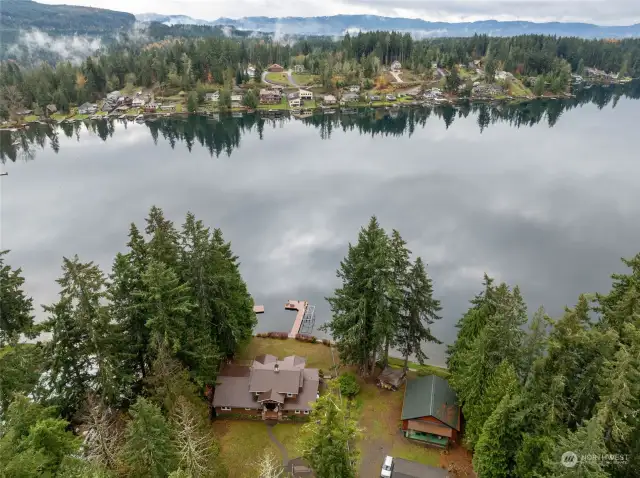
(431, 396)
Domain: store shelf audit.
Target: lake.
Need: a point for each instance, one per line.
(543, 195)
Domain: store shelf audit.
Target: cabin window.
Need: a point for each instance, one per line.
(257, 393)
(297, 412)
(247, 409)
(289, 395)
(306, 412)
(226, 409)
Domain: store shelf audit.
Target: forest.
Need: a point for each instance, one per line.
(531, 387)
(176, 64)
(118, 388)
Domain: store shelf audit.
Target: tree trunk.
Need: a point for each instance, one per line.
(373, 364)
(406, 363)
(385, 362)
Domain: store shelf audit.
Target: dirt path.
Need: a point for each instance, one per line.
(396, 75)
(274, 440)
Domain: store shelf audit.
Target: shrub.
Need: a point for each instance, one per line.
(306, 338)
(349, 386)
(278, 335)
(326, 342)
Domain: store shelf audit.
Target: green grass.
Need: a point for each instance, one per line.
(518, 89)
(80, 117)
(304, 79)
(421, 369)
(242, 444)
(283, 105)
(179, 108)
(420, 453)
(278, 78)
(318, 355)
(59, 116)
(29, 118)
(289, 434)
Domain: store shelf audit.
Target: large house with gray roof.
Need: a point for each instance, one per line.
(430, 412)
(271, 388)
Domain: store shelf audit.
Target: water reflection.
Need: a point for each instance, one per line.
(222, 134)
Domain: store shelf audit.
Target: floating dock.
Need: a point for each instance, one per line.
(305, 318)
(258, 309)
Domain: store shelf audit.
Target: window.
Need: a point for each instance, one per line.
(247, 409)
(257, 393)
(289, 395)
(306, 412)
(297, 412)
(226, 409)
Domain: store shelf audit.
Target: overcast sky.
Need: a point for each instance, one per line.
(603, 12)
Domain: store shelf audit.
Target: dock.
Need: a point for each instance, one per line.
(258, 309)
(305, 318)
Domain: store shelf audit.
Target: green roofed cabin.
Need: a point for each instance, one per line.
(430, 413)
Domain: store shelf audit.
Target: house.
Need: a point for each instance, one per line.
(350, 98)
(51, 109)
(138, 103)
(329, 100)
(270, 96)
(87, 109)
(270, 388)
(168, 107)
(236, 98)
(275, 68)
(298, 68)
(125, 100)
(113, 96)
(391, 98)
(430, 413)
(396, 65)
(212, 97)
(487, 91)
(24, 112)
(306, 94)
(374, 98)
(294, 100)
(391, 378)
(151, 107)
(251, 71)
(354, 89)
(440, 73)
(503, 75)
(108, 105)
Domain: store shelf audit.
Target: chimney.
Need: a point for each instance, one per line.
(276, 368)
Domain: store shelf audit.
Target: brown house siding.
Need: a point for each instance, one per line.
(237, 411)
(454, 433)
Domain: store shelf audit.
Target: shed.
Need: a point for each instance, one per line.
(430, 412)
(411, 469)
(275, 68)
(51, 109)
(391, 378)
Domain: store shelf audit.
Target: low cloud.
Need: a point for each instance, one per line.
(34, 44)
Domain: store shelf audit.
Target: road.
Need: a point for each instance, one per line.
(289, 77)
(396, 75)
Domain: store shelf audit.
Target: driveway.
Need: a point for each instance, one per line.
(289, 77)
(396, 75)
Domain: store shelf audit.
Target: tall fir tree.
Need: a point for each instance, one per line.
(16, 308)
(419, 311)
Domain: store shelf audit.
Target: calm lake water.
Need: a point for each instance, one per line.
(543, 195)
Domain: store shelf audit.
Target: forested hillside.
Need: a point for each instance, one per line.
(61, 19)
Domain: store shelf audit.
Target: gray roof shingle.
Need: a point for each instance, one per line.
(431, 396)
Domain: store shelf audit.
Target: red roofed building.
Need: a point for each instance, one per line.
(275, 68)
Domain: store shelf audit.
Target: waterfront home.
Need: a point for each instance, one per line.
(212, 97)
(391, 98)
(123, 108)
(503, 75)
(350, 98)
(24, 112)
(151, 107)
(305, 94)
(113, 96)
(396, 65)
(294, 100)
(329, 100)
(51, 109)
(354, 89)
(270, 388)
(487, 91)
(374, 98)
(275, 68)
(138, 103)
(236, 98)
(87, 109)
(298, 68)
(270, 96)
(251, 71)
(430, 412)
(170, 107)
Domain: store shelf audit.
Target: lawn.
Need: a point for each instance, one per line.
(278, 78)
(30, 118)
(318, 355)
(304, 79)
(242, 443)
(289, 435)
(421, 369)
(518, 89)
(283, 105)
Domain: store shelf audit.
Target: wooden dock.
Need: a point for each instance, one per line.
(301, 307)
(258, 309)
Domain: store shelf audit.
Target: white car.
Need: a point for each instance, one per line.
(387, 467)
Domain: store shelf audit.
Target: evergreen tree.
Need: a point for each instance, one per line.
(15, 307)
(21, 366)
(192, 102)
(420, 310)
(251, 99)
(361, 304)
(168, 303)
(535, 343)
(163, 245)
(328, 440)
(148, 449)
(81, 348)
(224, 101)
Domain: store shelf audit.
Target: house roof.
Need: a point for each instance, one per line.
(411, 469)
(233, 392)
(392, 376)
(266, 358)
(431, 396)
(283, 381)
(271, 396)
